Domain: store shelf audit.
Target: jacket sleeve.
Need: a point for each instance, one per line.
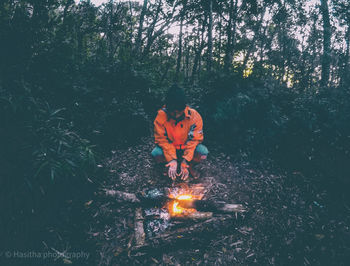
(195, 136)
(160, 136)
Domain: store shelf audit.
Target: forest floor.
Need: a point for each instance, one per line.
(289, 220)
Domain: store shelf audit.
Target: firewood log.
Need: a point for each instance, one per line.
(138, 227)
(184, 234)
(194, 216)
(199, 205)
(213, 206)
(121, 196)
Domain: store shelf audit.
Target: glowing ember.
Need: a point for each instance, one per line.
(176, 210)
(184, 197)
(184, 193)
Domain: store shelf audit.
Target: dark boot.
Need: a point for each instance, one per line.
(193, 172)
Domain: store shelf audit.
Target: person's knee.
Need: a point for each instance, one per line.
(202, 150)
(157, 154)
(201, 153)
(157, 151)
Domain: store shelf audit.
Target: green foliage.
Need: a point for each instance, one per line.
(43, 144)
(58, 151)
(75, 79)
(305, 131)
(246, 113)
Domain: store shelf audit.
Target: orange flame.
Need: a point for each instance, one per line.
(184, 197)
(176, 210)
(184, 193)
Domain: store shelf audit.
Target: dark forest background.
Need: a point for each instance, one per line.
(270, 78)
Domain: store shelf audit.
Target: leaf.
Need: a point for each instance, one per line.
(67, 261)
(57, 111)
(71, 163)
(156, 261)
(52, 174)
(40, 168)
(28, 183)
(88, 203)
(319, 236)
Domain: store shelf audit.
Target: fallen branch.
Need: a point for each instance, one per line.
(138, 227)
(214, 206)
(184, 234)
(194, 216)
(199, 205)
(121, 196)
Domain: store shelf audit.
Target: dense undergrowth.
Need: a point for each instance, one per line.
(69, 95)
(304, 131)
(50, 155)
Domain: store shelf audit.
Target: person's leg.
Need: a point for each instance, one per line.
(200, 154)
(158, 155)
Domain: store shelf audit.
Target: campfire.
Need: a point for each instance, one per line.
(181, 198)
(163, 215)
(175, 209)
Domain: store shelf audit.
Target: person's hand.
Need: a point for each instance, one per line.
(184, 170)
(172, 169)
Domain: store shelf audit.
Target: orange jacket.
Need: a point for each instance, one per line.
(186, 134)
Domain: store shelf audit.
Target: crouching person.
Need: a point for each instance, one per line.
(178, 133)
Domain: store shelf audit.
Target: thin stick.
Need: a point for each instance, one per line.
(138, 227)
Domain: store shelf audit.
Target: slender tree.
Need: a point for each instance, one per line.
(210, 37)
(326, 56)
(140, 29)
(231, 33)
(179, 53)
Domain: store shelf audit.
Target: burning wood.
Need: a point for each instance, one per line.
(179, 212)
(217, 206)
(177, 202)
(170, 207)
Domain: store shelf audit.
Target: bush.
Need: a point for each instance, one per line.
(245, 113)
(43, 160)
(307, 131)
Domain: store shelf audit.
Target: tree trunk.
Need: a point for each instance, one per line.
(131, 22)
(110, 31)
(210, 37)
(345, 77)
(179, 53)
(218, 53)
(68, 4)
(231, 33)
(256, 36)
(262, 44)
(326, 57)
(167, 68)
(187, 62)
(150, 30)
(196, 61)
(140, 30)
